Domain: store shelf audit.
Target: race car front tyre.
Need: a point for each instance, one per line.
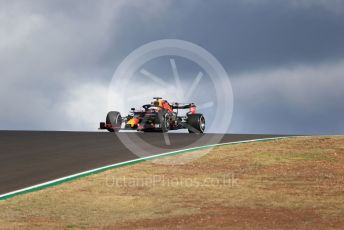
(196, 123)
(164, 121)
(114, 119)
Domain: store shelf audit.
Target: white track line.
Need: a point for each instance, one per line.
(77, 175)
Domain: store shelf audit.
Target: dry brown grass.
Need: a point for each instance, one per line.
(285, 184)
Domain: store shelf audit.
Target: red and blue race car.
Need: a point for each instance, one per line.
(159, 115)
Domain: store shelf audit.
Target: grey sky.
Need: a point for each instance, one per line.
(285, 58)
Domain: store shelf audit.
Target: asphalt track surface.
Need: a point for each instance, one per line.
(31, 157)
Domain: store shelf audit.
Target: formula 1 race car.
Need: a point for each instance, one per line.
(159, 115)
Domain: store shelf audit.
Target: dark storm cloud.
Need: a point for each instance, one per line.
(246, 35)
(57, 58)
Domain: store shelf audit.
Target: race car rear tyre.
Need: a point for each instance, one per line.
(196, 123)
(115, 119)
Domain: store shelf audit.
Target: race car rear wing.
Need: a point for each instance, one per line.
(190, 106)
(183, 105)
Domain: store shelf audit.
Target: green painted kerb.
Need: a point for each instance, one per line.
(135, 161)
